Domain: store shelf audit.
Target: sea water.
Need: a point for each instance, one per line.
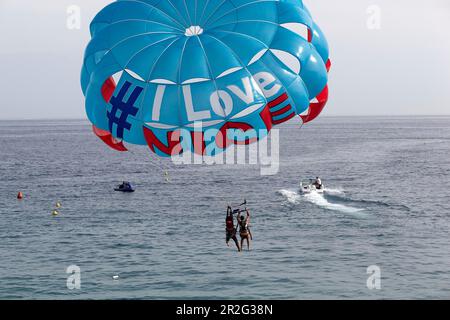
(386, 205)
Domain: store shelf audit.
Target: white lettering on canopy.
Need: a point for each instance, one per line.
(157, 102)
(217, 107)
(246, 96)
(264, 80)
(191, 113)
(221, 101)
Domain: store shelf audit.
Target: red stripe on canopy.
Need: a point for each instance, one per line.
(290, 116)
(107, 91)
(328, 65)
(108, 139)
(278, 100)
(315, 108)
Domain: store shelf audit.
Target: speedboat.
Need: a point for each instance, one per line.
(308, 186)
(125, 187)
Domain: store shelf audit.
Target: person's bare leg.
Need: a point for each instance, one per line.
(248, 243)
(242, 243)
(237, 243)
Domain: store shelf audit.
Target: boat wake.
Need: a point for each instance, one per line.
(321, 201)
(291, 196)
(294, 197)
(335, 192)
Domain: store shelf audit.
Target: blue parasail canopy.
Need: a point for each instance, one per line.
(165, 72)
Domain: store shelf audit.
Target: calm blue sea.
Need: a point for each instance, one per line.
(388, 205)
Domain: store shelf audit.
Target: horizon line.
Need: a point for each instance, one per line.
(322, 116)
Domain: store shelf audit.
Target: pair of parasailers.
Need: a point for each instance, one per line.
(242, 223)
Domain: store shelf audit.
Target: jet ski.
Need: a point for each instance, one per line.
(308, 186)
(124, 187)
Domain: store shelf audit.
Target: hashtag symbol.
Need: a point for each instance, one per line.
(126, 108)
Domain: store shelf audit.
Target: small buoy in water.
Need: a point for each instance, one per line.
(20, 196)
(58, 205)
(55, 212)
(116, 277)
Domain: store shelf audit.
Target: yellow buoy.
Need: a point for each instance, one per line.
(55, 212)
(58, 205)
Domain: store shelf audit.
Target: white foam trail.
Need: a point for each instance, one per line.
(290, 195)
(334, 192)
(319, 200)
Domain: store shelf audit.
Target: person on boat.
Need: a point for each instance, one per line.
(244, 230)
(318, 183)
(230, 229)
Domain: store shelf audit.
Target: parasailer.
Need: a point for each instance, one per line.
(184, 78)
(244, 229)
(230, 229)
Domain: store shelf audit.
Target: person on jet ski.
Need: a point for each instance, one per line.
(318, 183)
(125, 185)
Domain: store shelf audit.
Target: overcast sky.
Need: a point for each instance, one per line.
(401, 69)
